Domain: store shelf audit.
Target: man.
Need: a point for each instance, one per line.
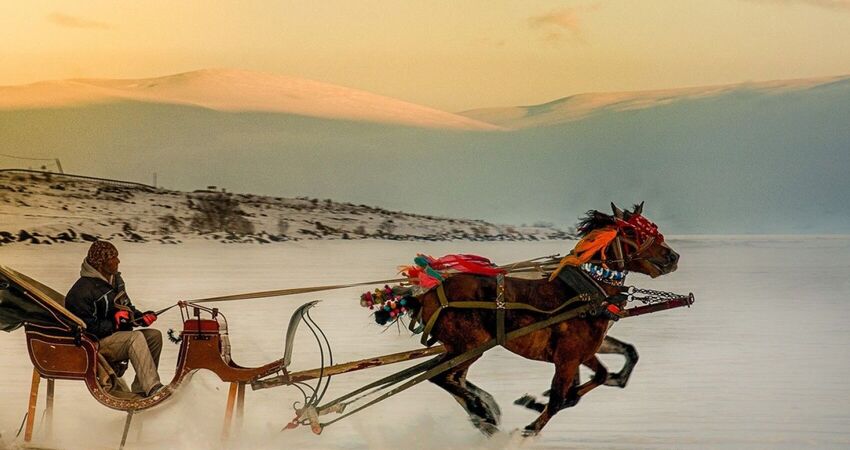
(98, 298)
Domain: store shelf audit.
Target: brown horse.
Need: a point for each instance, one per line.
(568, 344)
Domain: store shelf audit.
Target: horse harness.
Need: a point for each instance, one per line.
(590, 304)
(590, 297)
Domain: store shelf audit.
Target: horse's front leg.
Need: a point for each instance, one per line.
(613, 346)
(600, 374)
(561, 391)
(529, 401)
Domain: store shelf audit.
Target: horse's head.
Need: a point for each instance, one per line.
(638, 245)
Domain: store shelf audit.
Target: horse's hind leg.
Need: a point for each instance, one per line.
(612, 345)
(479, 404)
(486, 398)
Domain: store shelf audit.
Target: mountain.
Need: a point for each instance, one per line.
(582, 106)
(752, 158)
(235, 91)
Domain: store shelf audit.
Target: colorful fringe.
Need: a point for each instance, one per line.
(426, 270)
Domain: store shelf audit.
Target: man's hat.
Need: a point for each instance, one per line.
(100, 252)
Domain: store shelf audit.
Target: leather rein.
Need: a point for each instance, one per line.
(621, 259)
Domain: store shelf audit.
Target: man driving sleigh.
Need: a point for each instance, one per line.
(100, 300)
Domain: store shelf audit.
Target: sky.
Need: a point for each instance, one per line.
(451, 55)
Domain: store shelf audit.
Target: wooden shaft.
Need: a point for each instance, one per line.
(228, 412)
(126, 429)
(36, 378)
(352, 366)
(240, 404)
(48, 413)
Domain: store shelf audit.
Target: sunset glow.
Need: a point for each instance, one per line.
(448, 55)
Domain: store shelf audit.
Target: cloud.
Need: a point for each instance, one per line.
(554, 23)
(65, 20)
(566, 18)
(836, 5)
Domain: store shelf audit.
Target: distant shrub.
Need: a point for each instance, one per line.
(387, 226)
(282, 226)
(170, 224)
(219, 213)
(480, 230)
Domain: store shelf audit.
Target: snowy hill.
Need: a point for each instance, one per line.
(48, 209)
(582, 106)
(759, 158)
(235, 91)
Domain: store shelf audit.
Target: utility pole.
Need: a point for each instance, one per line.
(59, 165)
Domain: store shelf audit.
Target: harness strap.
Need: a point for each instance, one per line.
(500, 308)
(618, 253)
(427, 340)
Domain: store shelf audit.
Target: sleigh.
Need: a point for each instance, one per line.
(60, 349)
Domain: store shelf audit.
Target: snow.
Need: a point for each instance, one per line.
(237, 91)
(580, 106)
(52, 208)
(759, 361)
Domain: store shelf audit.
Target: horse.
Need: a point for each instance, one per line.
(637, 247)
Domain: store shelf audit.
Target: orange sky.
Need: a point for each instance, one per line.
(446, 54)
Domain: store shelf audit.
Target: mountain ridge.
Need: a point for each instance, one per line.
(232, 90)
(583, 105)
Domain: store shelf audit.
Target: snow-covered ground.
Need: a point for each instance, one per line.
(45, 208)
(760, 361)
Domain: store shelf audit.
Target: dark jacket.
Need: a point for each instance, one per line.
(95, 302)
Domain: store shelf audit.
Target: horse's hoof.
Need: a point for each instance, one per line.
(529, 432)
(526, 400)
(486, 428)
(615, 382)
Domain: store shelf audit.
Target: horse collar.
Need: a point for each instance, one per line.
(604, 275)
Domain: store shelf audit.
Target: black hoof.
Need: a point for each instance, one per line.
(529, 432)
(530, 402)
(486, 428)
(615, 381)
(525, 400)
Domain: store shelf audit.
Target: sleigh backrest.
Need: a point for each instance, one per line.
(56, 342)
(34, 301)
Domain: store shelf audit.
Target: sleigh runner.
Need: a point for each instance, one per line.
(567, 304)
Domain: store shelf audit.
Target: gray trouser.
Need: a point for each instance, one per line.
(142, 348)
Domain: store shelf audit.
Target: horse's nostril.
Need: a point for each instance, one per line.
(673, 257)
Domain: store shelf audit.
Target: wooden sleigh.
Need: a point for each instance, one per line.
(60, 349)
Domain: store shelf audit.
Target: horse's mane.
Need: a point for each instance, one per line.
(593, 220)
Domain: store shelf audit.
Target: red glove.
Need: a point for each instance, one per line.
(121, 318)
(148, 318)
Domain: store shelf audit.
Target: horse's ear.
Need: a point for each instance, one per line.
(639, 208)
(618, 213)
